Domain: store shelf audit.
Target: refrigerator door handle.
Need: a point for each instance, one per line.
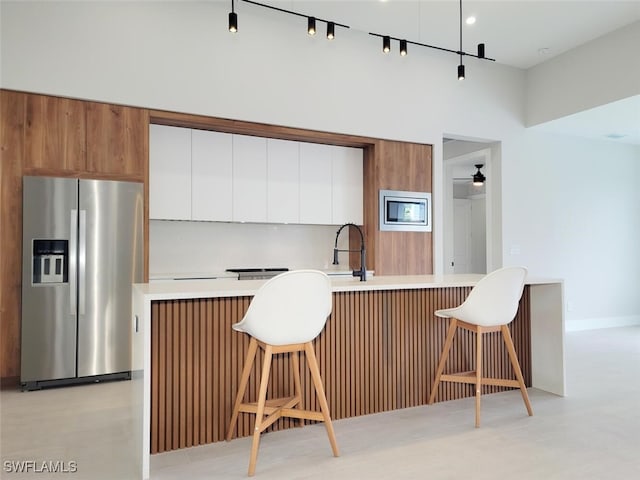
(73, 260)
(82, 257)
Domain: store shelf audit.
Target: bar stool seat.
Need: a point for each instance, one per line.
(491, 305)
(287, 313)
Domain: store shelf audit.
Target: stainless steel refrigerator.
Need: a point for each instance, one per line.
(82, 249)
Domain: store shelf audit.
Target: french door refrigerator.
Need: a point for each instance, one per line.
(82, 249)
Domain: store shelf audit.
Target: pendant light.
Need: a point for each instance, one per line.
(403, 48)
(311, 25)
(478, 177)
(233, 19)
(386, 44)
(481, 50)
(461, 66)
(460, 70)
(331, 30)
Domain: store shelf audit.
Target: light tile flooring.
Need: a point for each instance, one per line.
(593, 433)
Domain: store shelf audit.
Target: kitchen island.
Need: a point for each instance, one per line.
(378, 351)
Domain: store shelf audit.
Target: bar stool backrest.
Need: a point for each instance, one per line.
(494, 299)
(289, 308)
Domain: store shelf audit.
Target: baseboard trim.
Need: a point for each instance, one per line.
(603, 322)
(9, 383)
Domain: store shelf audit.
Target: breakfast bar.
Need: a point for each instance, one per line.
(378, 351)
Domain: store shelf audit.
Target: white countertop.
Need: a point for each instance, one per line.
(230, 287)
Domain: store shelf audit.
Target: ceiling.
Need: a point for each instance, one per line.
(517, 33)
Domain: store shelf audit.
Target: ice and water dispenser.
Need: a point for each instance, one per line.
(50, 261)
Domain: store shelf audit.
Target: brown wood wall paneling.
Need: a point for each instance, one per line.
(55, 135)
(117, 140)
(397, 166)
(378, 352)
(12, 113)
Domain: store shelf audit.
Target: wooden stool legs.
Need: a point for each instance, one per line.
(269, 411)
(324, 406)
(516, 368)
(475, 377)
(244, 379)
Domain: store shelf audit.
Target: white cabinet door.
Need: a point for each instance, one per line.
(282, 181)
(249, 179)
(211, 176)
(346, 185)
(315, 183)
(169, 173)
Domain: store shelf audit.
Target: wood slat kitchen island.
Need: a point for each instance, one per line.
(378, 351)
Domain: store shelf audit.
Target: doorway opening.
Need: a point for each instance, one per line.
(468, 219)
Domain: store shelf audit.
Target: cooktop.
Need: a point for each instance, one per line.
(257, 273)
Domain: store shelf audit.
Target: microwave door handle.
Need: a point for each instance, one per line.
(73, 260)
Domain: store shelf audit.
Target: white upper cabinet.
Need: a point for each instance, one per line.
(249, 179)
(315, 183)
(211, 180)
(346, 195)
(169, 173)
(212, 176)
(283, 184)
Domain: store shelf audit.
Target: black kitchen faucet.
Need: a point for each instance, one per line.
(362, 273)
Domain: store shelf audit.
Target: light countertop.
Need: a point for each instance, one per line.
(230, 287)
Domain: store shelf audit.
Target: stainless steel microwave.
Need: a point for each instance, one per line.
(405, 211)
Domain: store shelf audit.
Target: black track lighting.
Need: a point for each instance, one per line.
(386, 44)
(403, 48)
(478, 177)
(386, 39)
(233, 19)
(331, 30)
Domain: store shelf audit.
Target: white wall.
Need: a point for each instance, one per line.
(575, 81)
(179, 56)
(573, 212)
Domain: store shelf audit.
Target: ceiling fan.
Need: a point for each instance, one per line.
(478, 179)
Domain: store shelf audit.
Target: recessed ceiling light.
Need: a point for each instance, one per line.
(544, 51)
(470, 20)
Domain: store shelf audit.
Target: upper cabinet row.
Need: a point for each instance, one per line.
(64, 136)
(214, 176)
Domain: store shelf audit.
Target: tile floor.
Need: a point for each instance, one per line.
(592, 433)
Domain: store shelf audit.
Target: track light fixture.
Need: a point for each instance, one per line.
(233, 19)
(331, 30)
(386, 44)
(461, 70)
(478, 177)
(386, 39)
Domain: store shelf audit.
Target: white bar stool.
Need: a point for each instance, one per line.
(491, 305)
(287, 313)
